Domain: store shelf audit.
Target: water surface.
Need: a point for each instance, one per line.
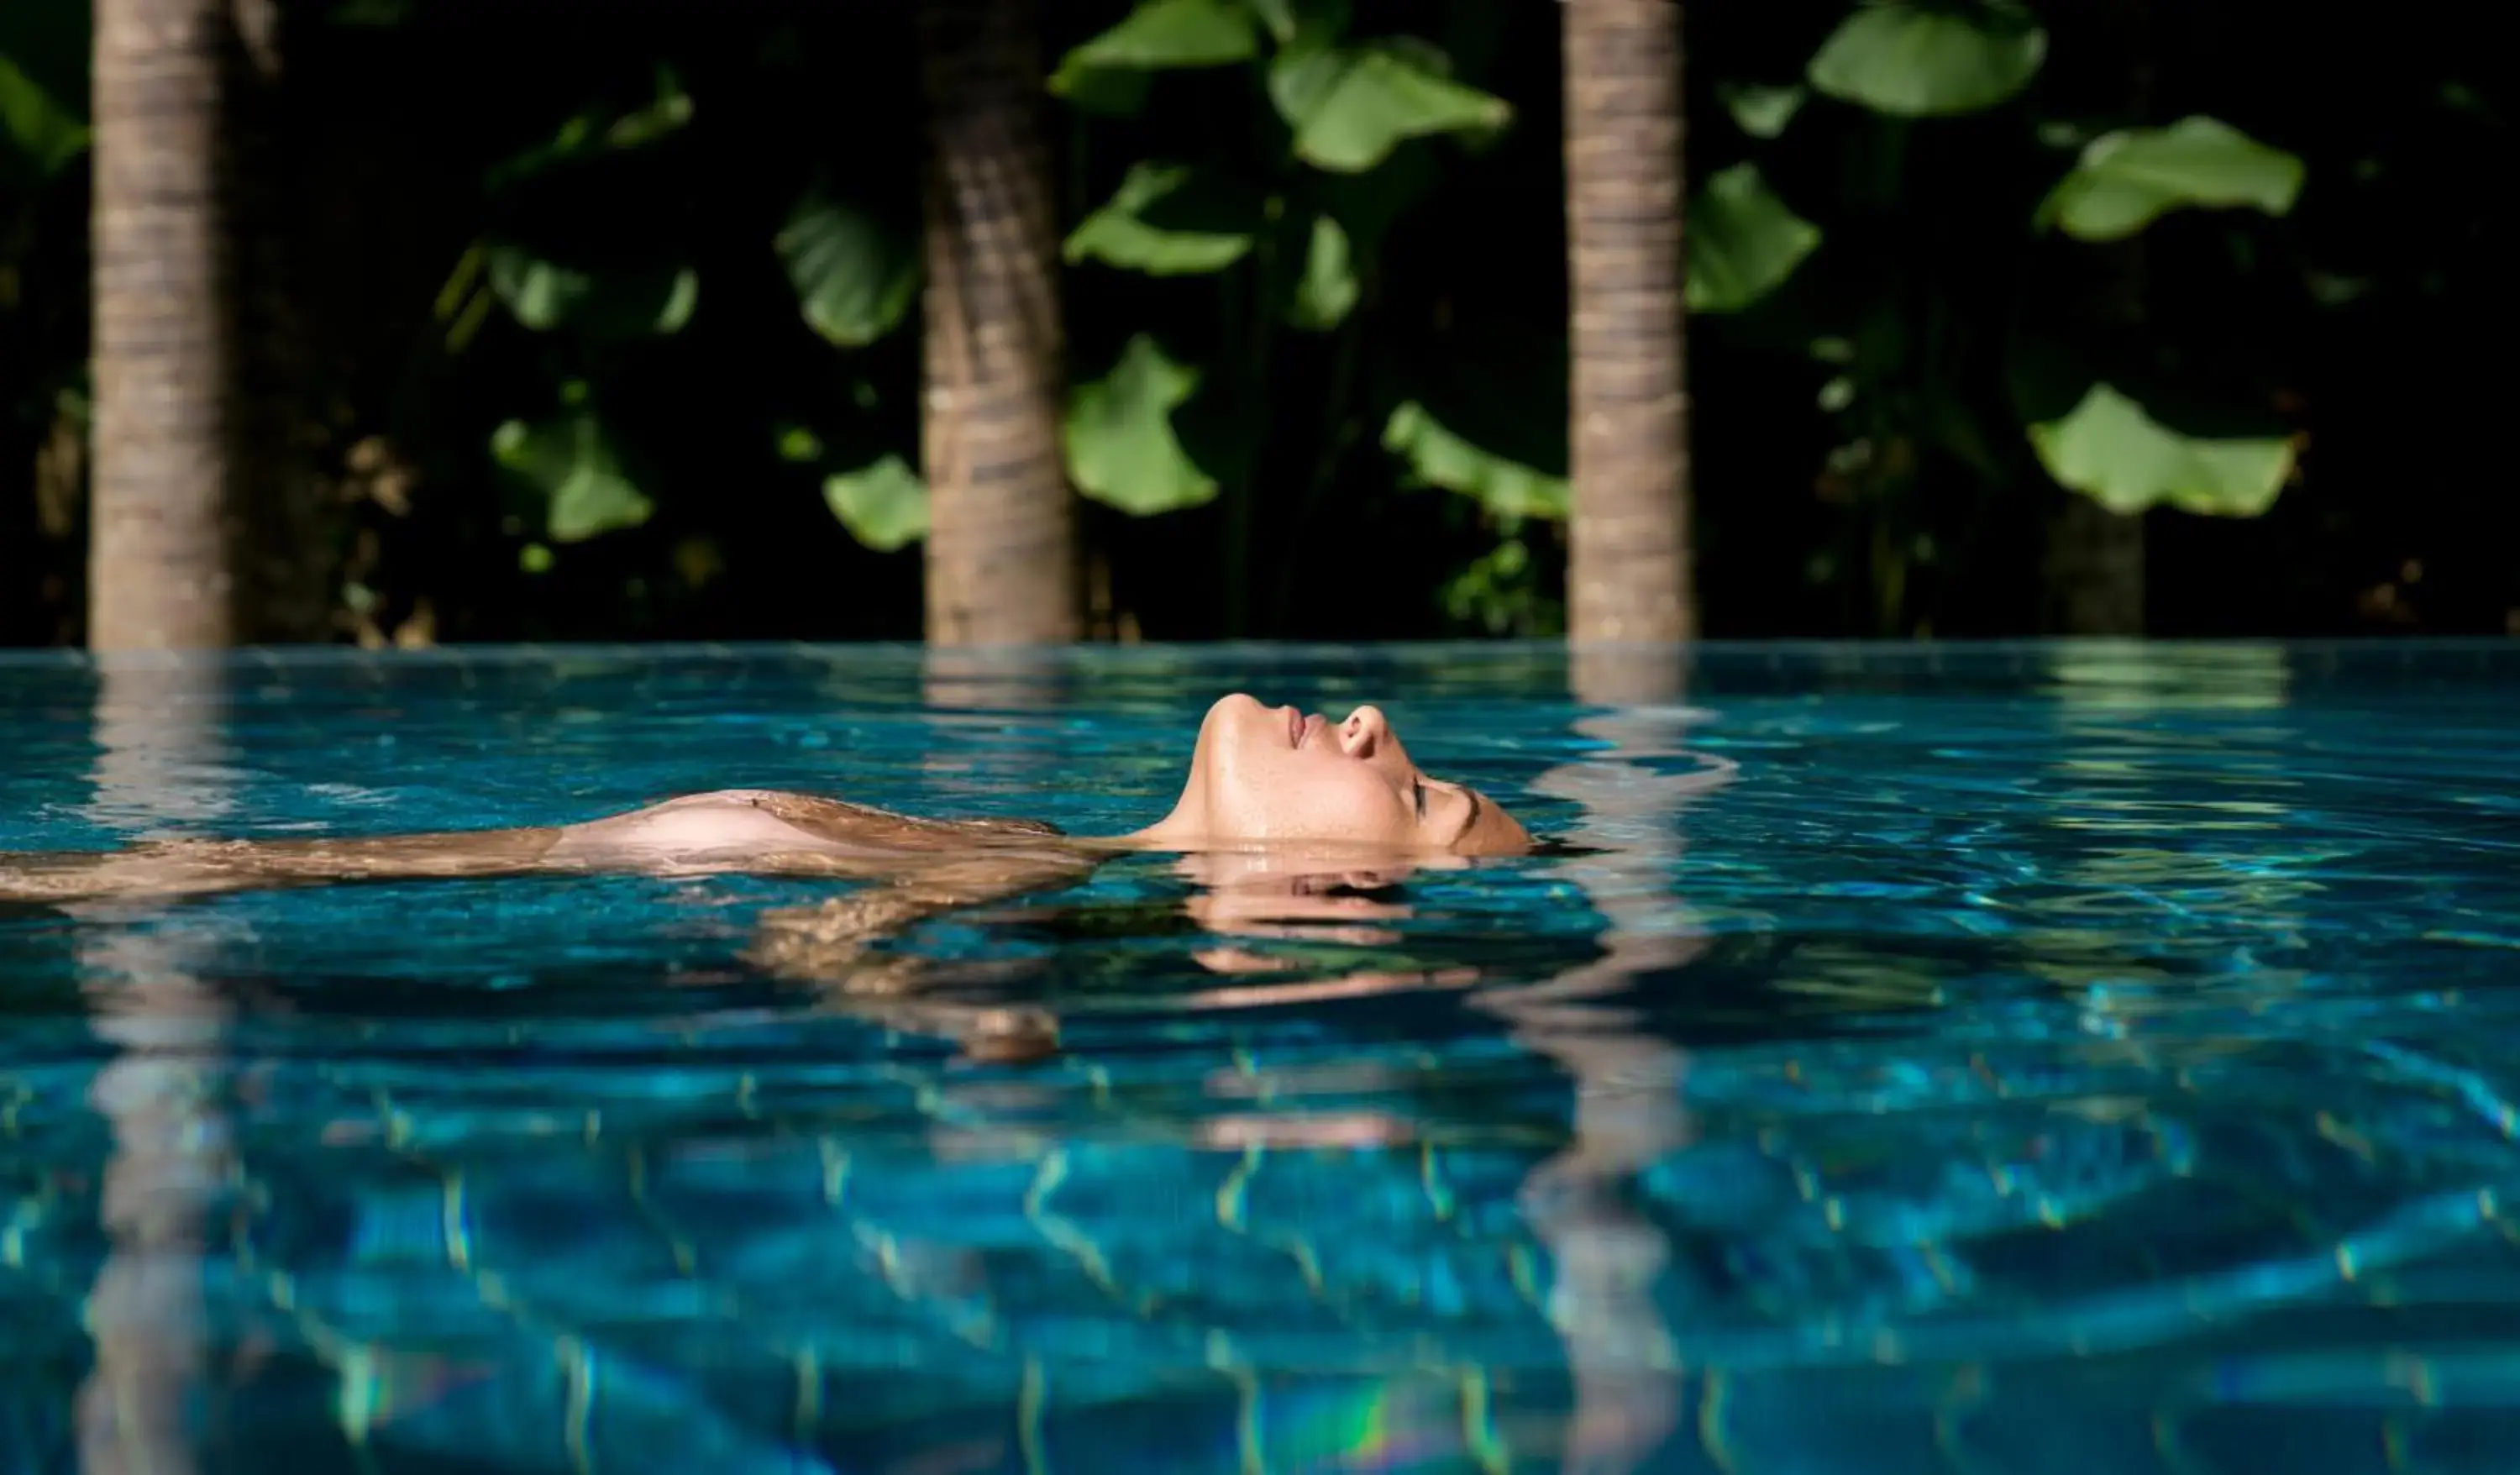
(2050, 1058)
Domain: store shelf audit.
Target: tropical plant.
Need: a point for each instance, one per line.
(44, 133)
(1963, 277)
(1970, 324)
(1291, 203)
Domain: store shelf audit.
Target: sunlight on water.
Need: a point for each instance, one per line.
(2101, 1058)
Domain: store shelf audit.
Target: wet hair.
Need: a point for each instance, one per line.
(1551, 848)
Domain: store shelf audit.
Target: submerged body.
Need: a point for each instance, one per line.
(737, 830)
(1278, 808)
(1267, 779)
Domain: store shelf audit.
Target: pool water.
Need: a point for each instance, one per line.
(2092, 1060)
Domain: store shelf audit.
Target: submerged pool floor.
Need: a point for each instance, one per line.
(2089, 1059)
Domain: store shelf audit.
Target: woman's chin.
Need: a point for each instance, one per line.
(1233, 723)
(1233, 706)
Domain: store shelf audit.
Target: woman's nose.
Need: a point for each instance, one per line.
(1364, 733)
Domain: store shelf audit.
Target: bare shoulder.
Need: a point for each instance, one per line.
(840, 818)
(763, 825)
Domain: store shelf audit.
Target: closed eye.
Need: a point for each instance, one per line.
(1469, 798)
(1420, 785)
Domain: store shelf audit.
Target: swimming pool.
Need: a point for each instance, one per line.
(2078, 1058)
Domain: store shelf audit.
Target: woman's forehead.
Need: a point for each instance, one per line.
(1491, 831)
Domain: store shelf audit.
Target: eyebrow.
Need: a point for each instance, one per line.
(1471, 823)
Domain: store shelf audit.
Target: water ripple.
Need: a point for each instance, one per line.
(2096, 1056)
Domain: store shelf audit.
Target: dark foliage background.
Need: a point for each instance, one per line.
(567, 389)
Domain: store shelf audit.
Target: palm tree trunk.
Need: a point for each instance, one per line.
(1002, 561)
(1628, 574)
(2096, 557)
(202, 533)
(2094, 569)
(158, 574)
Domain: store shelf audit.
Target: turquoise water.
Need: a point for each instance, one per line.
(2090, 1059)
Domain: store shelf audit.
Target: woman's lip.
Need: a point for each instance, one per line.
(1294, 728)
(1311, 726)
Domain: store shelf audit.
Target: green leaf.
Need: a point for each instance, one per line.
(1294, 21)
(1918, 59)
(1368, 206)
(1327, 288)
(618, 303)
(36, 123)
(883, 504)
(1109, 93)
(2108, 449)
(1437, 455)
(1351, 105)
(2127, 179)
(1170, 220)
(45, 54)
(1122, 450)
(1482, 411)
(1497, 594)
(571, 461)
(671, 110)
(1159, 35)
(798, 445)
(540, 294)
(854, 276)
(604, 129)
(1742, 242)
(1761, 111)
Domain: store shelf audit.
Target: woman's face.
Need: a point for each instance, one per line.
(1280, 774)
